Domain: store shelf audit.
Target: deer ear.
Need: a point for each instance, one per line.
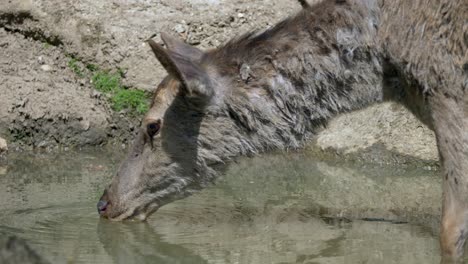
(178, 46)
(194, 79)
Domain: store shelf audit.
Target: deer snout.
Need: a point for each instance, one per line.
(102, 206)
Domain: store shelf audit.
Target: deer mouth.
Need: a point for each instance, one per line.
(139, 213)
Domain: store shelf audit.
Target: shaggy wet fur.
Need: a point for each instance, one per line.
(271, 90)
(299, 75)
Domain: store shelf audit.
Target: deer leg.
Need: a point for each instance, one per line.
(451, 127)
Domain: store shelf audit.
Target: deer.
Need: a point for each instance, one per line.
(272, 89)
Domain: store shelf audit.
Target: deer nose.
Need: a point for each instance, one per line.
(102, 206)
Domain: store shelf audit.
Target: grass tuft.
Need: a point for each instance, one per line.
(105, 81)
(121, 98)
(73, 65)
(91, 67)
(130, 99)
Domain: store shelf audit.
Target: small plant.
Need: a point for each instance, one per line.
(110, 83)
(121, 97)
(130, 99)
(73, 65)
(91, 67)
(121, 72)
(106, 82)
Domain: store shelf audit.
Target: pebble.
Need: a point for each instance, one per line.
(42, 144)
(3, 145)
(22, 103)
(179, 28)
(347, 74)
(46, 67)
(85, 124)
(96, 94)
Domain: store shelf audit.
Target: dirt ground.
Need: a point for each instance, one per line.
(44, 104)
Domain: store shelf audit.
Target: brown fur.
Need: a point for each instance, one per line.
(428, 42)
(271, 90)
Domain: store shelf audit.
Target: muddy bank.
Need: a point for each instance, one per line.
(47, 103)
(42, 102)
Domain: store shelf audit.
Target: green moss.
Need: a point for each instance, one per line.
(121, 98)
(121, 72)
(136, 100)
(105, 82)
(92, 67)
(73, 65)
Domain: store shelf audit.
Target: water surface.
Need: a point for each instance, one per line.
(279, 208)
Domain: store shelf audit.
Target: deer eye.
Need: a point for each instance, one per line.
(153, 128)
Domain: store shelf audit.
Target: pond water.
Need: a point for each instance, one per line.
(278, 208)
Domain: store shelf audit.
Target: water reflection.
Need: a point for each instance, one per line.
(139, 243)
(281, 208)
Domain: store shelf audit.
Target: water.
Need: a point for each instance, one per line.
(280, 208)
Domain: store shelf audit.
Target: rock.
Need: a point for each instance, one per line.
(40, 59)
(46, 67)
(380, 134)
(3, 146)
(22, 103)
(179, 28)
(85, 124)
(96, 94)
(3, 169)
(14, 250)
(42, 144)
